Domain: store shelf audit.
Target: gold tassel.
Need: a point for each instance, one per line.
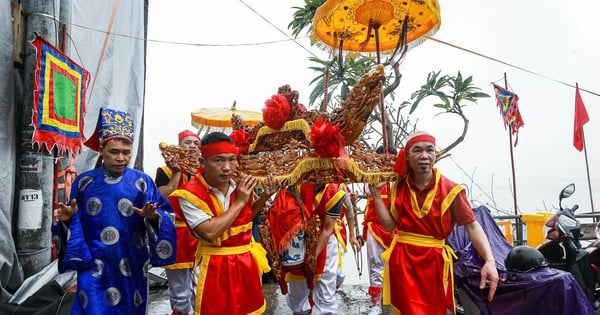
(313, 164)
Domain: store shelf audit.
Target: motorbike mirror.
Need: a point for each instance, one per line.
(566, 192)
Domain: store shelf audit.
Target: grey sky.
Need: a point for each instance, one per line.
(551, 38)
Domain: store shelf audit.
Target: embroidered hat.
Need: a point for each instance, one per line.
(112, 124)
(186, 133)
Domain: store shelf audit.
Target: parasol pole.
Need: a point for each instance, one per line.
(512, 163)
(381, 97)
(326, 90)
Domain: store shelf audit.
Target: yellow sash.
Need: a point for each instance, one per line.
(256, 249)
(419, 240)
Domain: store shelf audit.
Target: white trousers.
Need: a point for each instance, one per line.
(323, 294)
(374, 260)
(180, 290)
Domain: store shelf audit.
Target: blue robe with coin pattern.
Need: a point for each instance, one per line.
(111, 246)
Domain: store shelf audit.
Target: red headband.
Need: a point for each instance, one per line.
(221, 147)
(420, 138)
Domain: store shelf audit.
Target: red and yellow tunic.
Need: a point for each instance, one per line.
(418, 270)
(229, 280)
(186, 243)
(372, 223)
(341, 232)
(325, 202)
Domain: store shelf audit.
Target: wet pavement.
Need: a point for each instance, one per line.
(352, 296)
(352, 299)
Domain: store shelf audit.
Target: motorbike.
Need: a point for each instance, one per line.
(562, 248)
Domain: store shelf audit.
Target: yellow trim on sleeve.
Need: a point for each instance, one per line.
(450, 197)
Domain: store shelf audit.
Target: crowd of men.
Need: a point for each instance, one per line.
(119, 221)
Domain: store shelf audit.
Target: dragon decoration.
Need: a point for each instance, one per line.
(313, 147)
(302, 146)
(306, 146)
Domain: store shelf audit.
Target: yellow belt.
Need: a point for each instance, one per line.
(425, 241)
(258, 253)
(179, 223)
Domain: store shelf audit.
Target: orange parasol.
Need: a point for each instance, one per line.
(207, 119)
(375, 25)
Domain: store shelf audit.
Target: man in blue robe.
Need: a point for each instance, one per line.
(115, 226)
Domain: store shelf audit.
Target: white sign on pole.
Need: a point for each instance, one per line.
(30, 209)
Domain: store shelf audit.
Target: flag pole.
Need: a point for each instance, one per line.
(512, 163)
(587, 168)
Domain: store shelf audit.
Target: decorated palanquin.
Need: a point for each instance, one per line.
(304, 147)
(313, 147)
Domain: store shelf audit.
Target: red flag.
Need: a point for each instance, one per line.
(581, 117)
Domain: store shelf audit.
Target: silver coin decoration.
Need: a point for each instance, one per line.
(93, 206)
(141, 185)
(146, 268)
(112, 296)
(164, 249)
(125, 207)
(84, 182)
(83, 299)
(98, 269)
(124, 267)
(137, 298)
(138, 241)
(109, 235)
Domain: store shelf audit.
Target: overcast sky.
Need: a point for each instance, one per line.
(557, 41)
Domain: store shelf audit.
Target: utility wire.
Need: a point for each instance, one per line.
(277, 28)
(509, 64)
(289, 38)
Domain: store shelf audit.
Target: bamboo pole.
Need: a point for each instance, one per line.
(587, 168)
(514, 181)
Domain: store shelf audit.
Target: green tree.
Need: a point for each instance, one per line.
(453, 92)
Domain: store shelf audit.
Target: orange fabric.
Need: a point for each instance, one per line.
(286, 218)
(416, 272)
(319, 207)
(227, 283)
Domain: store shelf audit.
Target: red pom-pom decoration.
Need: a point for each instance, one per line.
(241, 138)
(327, 140)
(276, 111)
